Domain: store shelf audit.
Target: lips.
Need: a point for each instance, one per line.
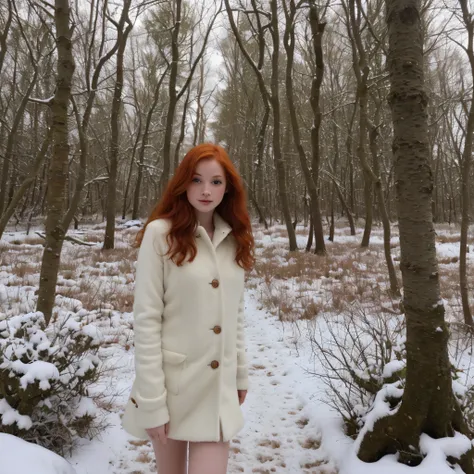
(204, 201)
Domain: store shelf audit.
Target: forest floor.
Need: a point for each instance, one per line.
(290, 428)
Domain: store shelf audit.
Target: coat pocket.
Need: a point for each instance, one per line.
(173, 365)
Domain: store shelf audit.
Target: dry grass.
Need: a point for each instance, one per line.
(114, 255)
(302, 422)
(144, 458)
(33, 240)
(23, 269)
(311, 443)
(272, 443)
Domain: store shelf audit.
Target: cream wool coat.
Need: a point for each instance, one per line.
(189, 338)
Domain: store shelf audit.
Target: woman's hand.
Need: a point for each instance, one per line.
(158, 434)
(242, 394)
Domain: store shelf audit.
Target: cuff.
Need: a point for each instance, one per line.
(152, 419)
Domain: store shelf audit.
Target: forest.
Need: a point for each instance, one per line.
(351, 123)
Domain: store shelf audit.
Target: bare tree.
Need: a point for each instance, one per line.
(465, 164)
(58, 169)
(311, 178)
(271, 97)
(122, 32)
(174, 94)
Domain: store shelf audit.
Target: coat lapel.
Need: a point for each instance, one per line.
(221, 230)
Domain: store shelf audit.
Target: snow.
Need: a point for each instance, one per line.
(289, 426)
(37, 370)
(393, 367)
(9, 416)
(20, 457)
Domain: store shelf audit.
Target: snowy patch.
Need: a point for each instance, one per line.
(19, 457)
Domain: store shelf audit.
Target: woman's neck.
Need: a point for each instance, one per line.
(206, 221)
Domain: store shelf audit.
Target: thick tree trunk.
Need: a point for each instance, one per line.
(109, 239)
(428, 404)
(58, 170)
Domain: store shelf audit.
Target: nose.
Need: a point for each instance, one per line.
(206, 192)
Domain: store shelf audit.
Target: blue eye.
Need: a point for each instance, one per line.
(196, 180)
(217, 181)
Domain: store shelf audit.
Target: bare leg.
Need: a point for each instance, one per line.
(171, 458)
(208, 458)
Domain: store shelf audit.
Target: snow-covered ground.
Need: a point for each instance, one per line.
(289, 428)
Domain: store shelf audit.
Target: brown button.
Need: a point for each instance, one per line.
(134, 402)
(215, 283)
(214, 364)
(217, 329)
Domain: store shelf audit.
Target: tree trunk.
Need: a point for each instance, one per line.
(141, 153)
(12, 136)
(58, 170)
(172, 99)
(428, 404)
(317, 31)
(392, 275)
(182, 131)
(22, 189)
(269, 98)
(125, 205)
(276, 142)
(109, 239)
(83, 125)
(289, 42)
(465, 173)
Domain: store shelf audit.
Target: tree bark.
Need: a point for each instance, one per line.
(58, 170)
(289, 43)
(172, 97)
(276, 137)
(428, 404)
(109, 239)
(465, 172)
(317, 30)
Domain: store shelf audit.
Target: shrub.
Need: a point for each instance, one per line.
(45, 379)
(361, 353)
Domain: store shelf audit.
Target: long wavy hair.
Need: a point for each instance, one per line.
(175, 207)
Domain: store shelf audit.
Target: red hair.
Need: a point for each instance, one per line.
(175, 207)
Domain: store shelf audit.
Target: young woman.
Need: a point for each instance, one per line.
(191, 369)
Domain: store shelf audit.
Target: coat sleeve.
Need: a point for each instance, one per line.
(242, 369)
(150, 395)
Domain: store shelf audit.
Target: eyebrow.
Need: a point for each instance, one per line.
(215, 176)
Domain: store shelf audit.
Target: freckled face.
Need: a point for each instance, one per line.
(208, 186)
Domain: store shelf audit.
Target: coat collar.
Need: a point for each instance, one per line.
(221, 230)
